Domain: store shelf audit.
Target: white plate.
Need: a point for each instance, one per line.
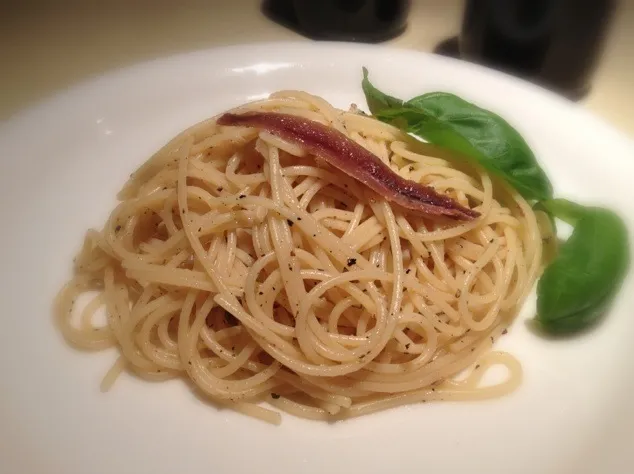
(61, 164)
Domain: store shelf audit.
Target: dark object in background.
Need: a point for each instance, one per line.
(556, 43)
(344, 20)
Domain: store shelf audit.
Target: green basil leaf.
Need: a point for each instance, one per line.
(376, 99)
(567, 211)
(578, 287)
(448, 121)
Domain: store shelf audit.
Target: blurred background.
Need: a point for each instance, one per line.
(584, 50)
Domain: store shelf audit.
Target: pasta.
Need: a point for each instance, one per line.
(242, 262)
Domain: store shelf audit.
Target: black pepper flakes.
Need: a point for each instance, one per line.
(505, 332)
(458, 293)
(406, 271)
(275, 396)
(242, 196)
(219, 189)
(117, 229)
(261, 293)
(290, 222)
(299, 218)
(477, 366)
(352, 261)
(407, 346)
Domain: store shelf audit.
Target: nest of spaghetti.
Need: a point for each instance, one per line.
(242, 261)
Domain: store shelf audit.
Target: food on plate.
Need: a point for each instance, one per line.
(333, 146)
(323, 261)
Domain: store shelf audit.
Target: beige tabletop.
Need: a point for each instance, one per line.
(49, 45)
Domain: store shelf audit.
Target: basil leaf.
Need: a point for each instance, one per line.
(567, 211)
(448, 121)
(376, 99)
(578, 287)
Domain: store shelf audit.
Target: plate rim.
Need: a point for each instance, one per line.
(119, 73)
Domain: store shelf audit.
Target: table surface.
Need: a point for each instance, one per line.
(48, 45)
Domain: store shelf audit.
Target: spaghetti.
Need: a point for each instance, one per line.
(243, 262)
